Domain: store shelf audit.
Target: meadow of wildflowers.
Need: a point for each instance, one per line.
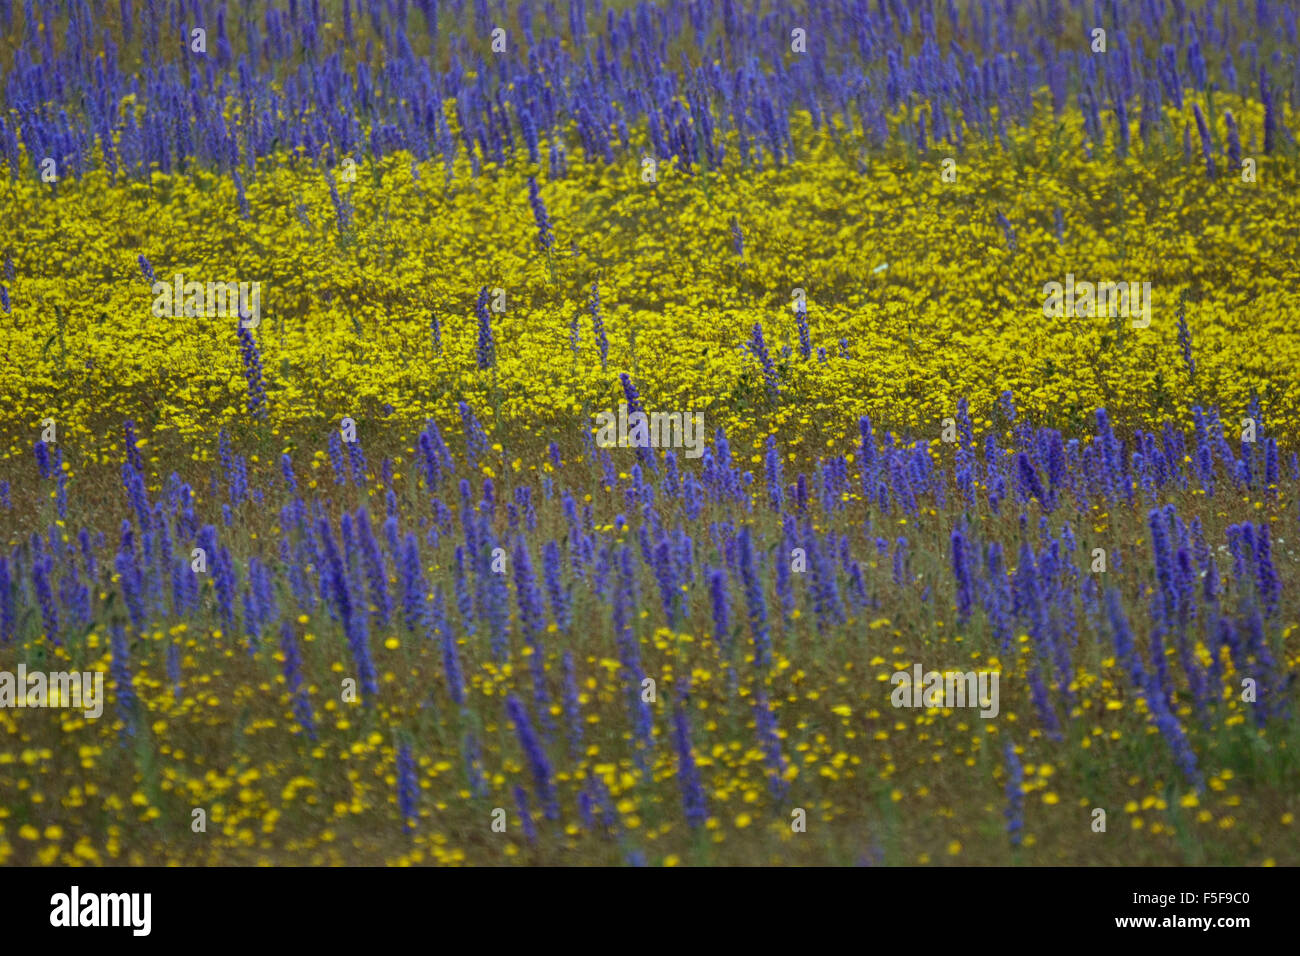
(310, 311)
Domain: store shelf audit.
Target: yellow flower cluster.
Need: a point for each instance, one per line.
(914, 290)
